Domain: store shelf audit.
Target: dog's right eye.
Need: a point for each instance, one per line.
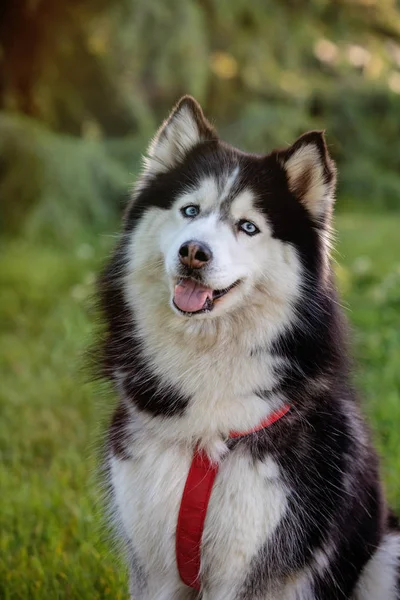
(190, 211)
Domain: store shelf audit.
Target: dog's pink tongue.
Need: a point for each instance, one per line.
(190, 296)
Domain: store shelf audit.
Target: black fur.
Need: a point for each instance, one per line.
(337, 500)
(121, 357)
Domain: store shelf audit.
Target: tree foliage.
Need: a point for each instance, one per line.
(264, 70)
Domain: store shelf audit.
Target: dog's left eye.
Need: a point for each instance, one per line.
(248, 227)
(190, 211)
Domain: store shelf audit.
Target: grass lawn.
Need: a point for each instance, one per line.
(53, 544)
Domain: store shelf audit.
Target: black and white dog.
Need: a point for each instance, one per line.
(222, 316)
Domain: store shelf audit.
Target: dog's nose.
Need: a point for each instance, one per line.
(194, 254)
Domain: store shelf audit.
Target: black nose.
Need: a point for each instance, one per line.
(194, 254)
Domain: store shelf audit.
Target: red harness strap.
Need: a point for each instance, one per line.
(194, 504)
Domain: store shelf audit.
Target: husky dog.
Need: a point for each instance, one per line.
(220, 308)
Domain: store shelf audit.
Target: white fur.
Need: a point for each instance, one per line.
(380, 576)
(147, 491)
(229, 183)
(247, 503)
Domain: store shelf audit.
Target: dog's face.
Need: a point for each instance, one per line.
(214, 244)
(214, 230)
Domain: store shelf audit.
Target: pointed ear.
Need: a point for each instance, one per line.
(183, 130)
(311, 173)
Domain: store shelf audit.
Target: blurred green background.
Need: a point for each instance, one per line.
(83, 86)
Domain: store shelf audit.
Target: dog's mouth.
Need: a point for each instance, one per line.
(192, 297)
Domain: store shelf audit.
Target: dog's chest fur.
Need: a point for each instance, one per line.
(247, 502)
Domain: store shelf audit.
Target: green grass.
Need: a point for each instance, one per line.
(53, 542)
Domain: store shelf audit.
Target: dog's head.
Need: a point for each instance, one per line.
(213, 229)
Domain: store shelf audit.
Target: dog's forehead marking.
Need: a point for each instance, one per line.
(229, 184)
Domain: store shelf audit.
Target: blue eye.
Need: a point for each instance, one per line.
(190, 211)
(248, 227)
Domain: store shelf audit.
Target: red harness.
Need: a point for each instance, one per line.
(194, 504)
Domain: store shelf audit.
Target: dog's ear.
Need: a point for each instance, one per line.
(311, 173)
(183, 130)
